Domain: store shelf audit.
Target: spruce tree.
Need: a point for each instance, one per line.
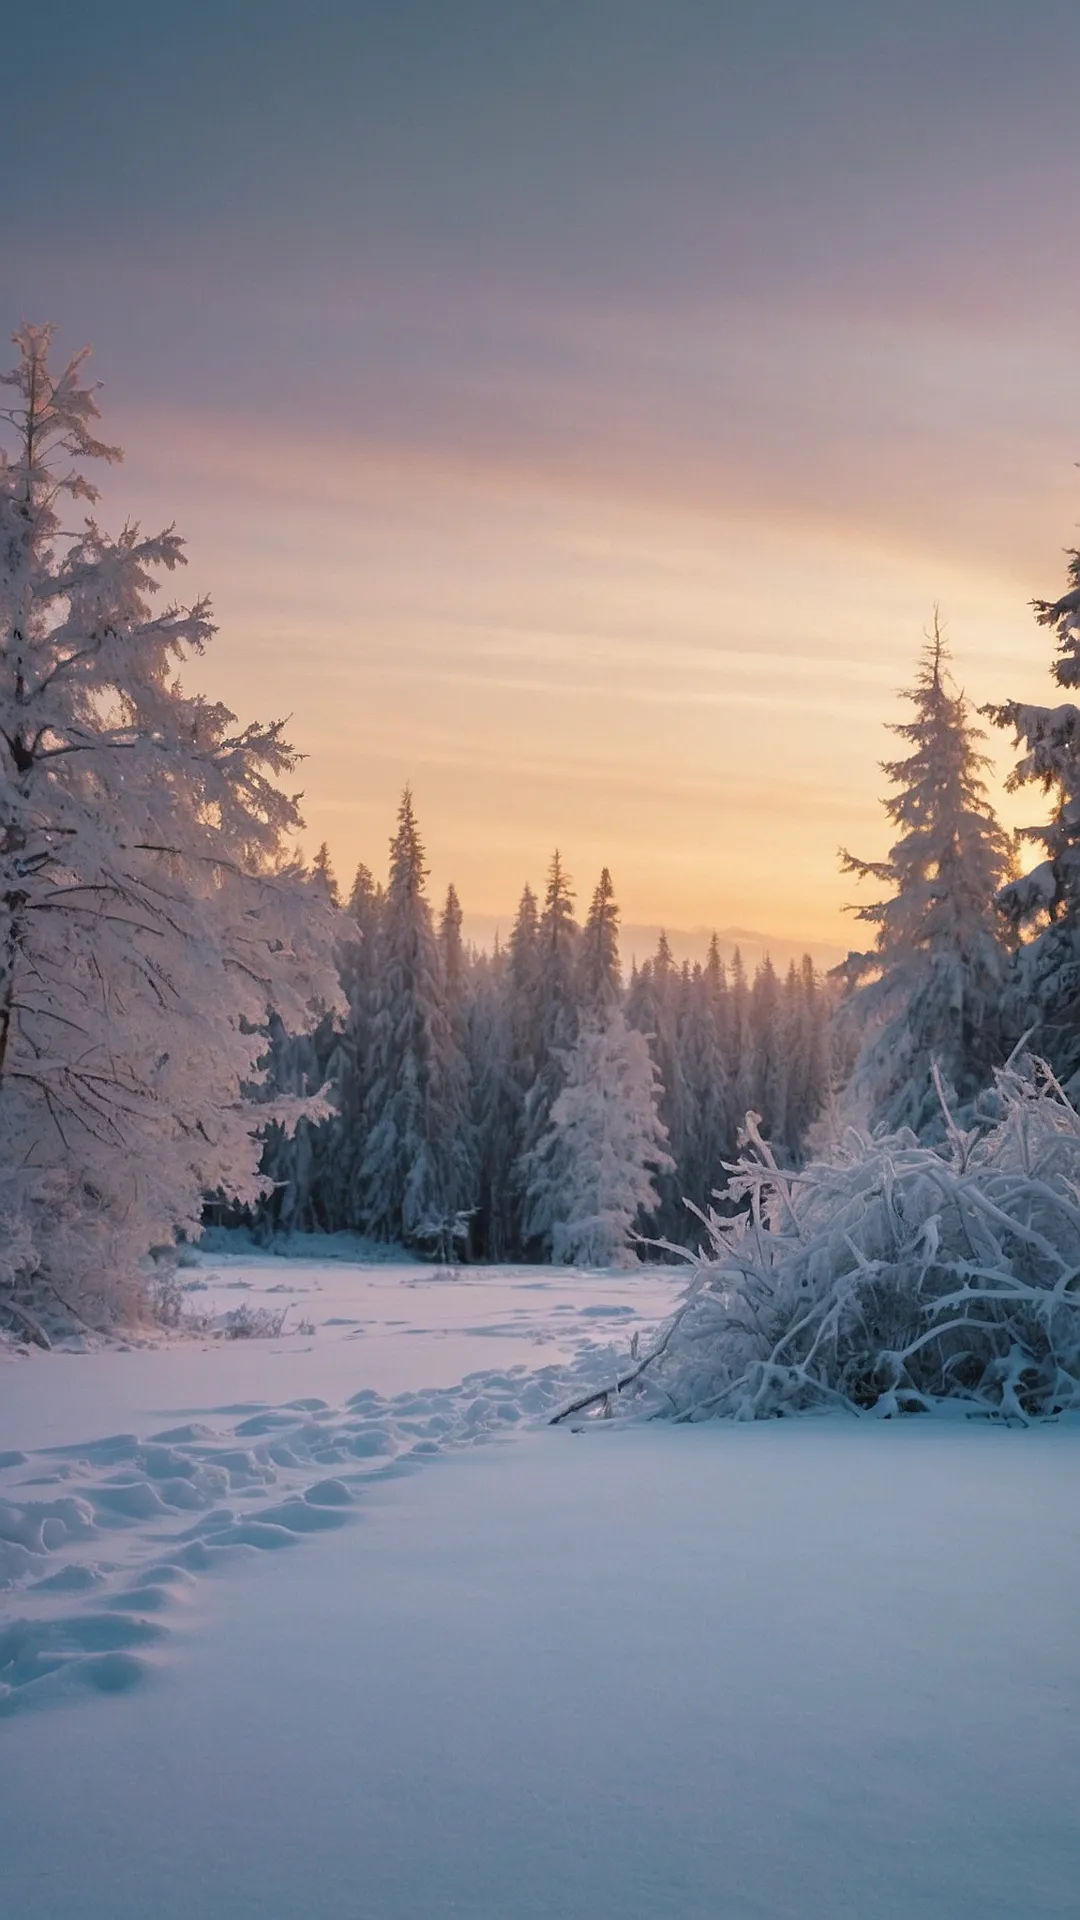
(452, 951)
(324, 876)
(414, 1176)
(769, 1058)
(555, 1022)
(590, 1174)
(599, 979)
(1045, 903)
(931, 990)
(706, 1069)
(349, 1067)
(806, 1023)
(593, 1184)
(652, 1008)
(496, 1101)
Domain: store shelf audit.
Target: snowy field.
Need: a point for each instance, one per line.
(333, 1625)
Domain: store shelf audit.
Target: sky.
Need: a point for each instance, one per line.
(577, 410)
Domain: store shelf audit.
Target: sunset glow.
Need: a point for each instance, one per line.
(592, 454)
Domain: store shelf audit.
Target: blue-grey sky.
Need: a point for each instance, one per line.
(576, 409)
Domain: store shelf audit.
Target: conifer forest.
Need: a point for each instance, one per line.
(195, 1026)
(540, 961)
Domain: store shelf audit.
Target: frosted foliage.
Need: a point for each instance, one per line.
(147, 915)
(591, 1178)
(939, 966)
(894, 1278)
(1045, 903)
(416, 1176)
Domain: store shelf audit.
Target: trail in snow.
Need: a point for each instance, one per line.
(103, 1540)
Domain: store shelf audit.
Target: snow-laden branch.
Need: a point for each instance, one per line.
(893, 1278)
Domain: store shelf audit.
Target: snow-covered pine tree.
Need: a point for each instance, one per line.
(554, 1023)
(738, 1038)
(939, 966)
(495, 1105)
(806, 1025)
(591, 1173)
(300, 1160)
(599, 979)
(452, 952)
(455, 979)
(523, 991)
(347, 1069)
(652, 1008)
(1045, 903)
(323, 873)
(769, 1058)
(500, 1090)
(712, 1122)
(415, 1176)
(147, 917)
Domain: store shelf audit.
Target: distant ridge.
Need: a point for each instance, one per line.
(637, 941)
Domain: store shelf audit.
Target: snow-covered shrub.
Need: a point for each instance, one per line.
(253, 1323)
(895, 1277)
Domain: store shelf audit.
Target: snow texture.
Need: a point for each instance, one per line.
(102, 1540)
(609, 1671)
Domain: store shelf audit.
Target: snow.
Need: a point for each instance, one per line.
(810, 1667)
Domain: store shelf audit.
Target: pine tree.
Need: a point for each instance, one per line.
(300, 1160)
(349, 1066)
(414, 1177)
(555, 1020)
(706, 1071)
(806, 1020)
(523, 991)
(147, 917)
(323, 874)
(939, 964)
(452, 951)
(496, 1101)
(600, 982)
(592, 1170)
(299, 1163)
(652, 1008)
(769, 1057)
(1045, 903)
(739, 1043)
(455, 970)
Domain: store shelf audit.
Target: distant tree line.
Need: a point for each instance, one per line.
(528, 1103)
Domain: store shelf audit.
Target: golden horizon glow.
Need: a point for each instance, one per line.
(685, 688)
(560, 428)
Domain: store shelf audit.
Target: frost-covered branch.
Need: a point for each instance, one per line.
(894, 1277)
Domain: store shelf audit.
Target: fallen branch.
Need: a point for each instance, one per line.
(624, 1380)
(27, 1322)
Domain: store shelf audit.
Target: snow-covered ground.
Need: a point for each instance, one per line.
(809, 1668)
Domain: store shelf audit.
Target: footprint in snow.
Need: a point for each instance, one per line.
(102, 1542)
